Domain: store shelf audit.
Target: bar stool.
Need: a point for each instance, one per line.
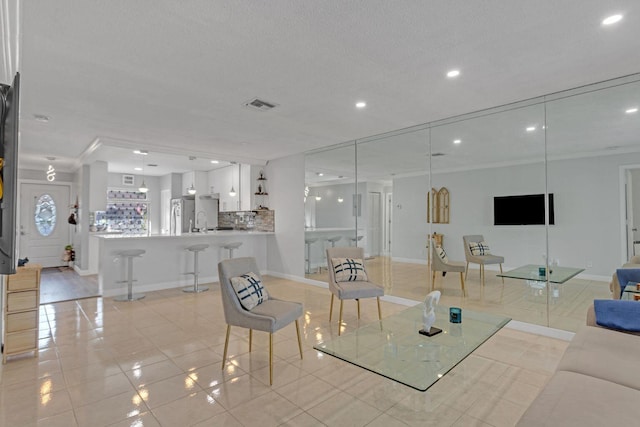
(309, 241)
(129, 255)
(196, 249)
(332, 240)
(230, 247)
(354, 240)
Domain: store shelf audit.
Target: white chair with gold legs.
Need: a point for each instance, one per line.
(348, 279)
(239, 290)
(440, 262)
(476, 251)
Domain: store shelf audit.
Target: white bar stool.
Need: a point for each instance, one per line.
(309, 241)
(196, 249)
(355, 240)
(129, 255)
(332, 240)
(230, 247)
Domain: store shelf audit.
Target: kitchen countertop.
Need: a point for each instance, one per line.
(216, 233)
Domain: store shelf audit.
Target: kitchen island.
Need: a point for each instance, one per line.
(166, 261)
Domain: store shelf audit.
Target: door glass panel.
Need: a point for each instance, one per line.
(45, 215)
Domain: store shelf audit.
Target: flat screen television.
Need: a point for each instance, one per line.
(526, 209)
(9, 174)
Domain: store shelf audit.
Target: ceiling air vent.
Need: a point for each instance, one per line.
(437, 155)
(260, 105)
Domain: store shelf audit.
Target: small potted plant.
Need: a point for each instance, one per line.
(69, 255)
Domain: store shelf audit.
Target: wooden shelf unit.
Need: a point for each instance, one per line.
(21, 311)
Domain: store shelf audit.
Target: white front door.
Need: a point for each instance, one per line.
(44, 230)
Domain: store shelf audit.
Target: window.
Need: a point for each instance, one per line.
(45, 215)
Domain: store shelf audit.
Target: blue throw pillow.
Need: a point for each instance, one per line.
(616, 314)
(626, 275)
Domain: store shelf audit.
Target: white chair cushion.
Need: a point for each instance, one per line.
(480, 248)
(442, 254)
(249, 290)
(349, 270)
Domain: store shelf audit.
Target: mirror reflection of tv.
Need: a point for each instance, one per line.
(9, 173)
(526, 209)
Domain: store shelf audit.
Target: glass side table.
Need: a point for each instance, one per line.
(631, 292)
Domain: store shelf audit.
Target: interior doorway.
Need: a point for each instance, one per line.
(630, 210)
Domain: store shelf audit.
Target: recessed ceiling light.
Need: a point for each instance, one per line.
(610, 20)
(361, 104)
(632, 110)
(457, 141)
(453, 73)
(142, 152)
(137, 169)
(215, 162)
(319, 174)
(531, 128)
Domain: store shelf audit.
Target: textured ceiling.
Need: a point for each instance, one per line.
(174, 75)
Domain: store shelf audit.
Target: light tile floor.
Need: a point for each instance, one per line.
(515, 298)
(157, 362)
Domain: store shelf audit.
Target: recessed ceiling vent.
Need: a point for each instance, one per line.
(260, 105)
(437, 154)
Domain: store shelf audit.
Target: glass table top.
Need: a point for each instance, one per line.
(393, 347)
(532, 272)
(631, 292)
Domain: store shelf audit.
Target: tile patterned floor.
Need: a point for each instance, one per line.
(515, 298)
(157, 362)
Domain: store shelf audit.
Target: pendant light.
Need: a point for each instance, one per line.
(191, 190)
(232, 192)
(143, 188)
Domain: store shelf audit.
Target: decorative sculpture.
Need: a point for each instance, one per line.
(429, 314)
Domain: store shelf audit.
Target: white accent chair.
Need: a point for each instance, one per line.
(269, 316)
(350, 290)
(482, 260)
(438, 264)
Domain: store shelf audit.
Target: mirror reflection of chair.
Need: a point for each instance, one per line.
(308, 242)
(477, 251)
(440, 262)
(269, 315)
(348, 280)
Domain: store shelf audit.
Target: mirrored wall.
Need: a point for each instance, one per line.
(545, 185)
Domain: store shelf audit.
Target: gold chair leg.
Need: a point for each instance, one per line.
(270, 359)
(466, 271)
(358, 301)
(340, 321)
(299, 341)
(501, 274)
(433, 280)
(331, 308)
(379, 310)
(250, 339)
(226, 345)
(464, 291)
(482, 274)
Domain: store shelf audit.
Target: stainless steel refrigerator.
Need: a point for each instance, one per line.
(183, 215)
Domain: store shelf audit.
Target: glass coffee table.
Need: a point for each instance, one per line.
(393, 347)
(557, 274)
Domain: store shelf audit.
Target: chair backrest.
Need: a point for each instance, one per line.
(475, 238)
(341, 252)
(234, 314)
(437, 264)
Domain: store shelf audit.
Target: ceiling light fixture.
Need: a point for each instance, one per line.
(340, 200)
(137, 169)
(453, 73)
(319, 174)
(191, 190)
(632, 110)
(457, 141)
(318, 197)
(232, 193)
(531, 128)
(215, 162)
(610, 20)
(141, 152)
(143, 188)
(361, 104)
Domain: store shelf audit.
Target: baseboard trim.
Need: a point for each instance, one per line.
(540, 330)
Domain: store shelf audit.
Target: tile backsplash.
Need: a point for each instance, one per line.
(258, 220)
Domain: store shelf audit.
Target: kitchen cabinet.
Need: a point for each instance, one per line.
(21, 311)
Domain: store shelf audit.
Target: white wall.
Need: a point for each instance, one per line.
(285, 251)
(586, 197)
(635, 186)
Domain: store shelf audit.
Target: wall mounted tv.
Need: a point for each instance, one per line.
(9, 173)
(526, 209)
